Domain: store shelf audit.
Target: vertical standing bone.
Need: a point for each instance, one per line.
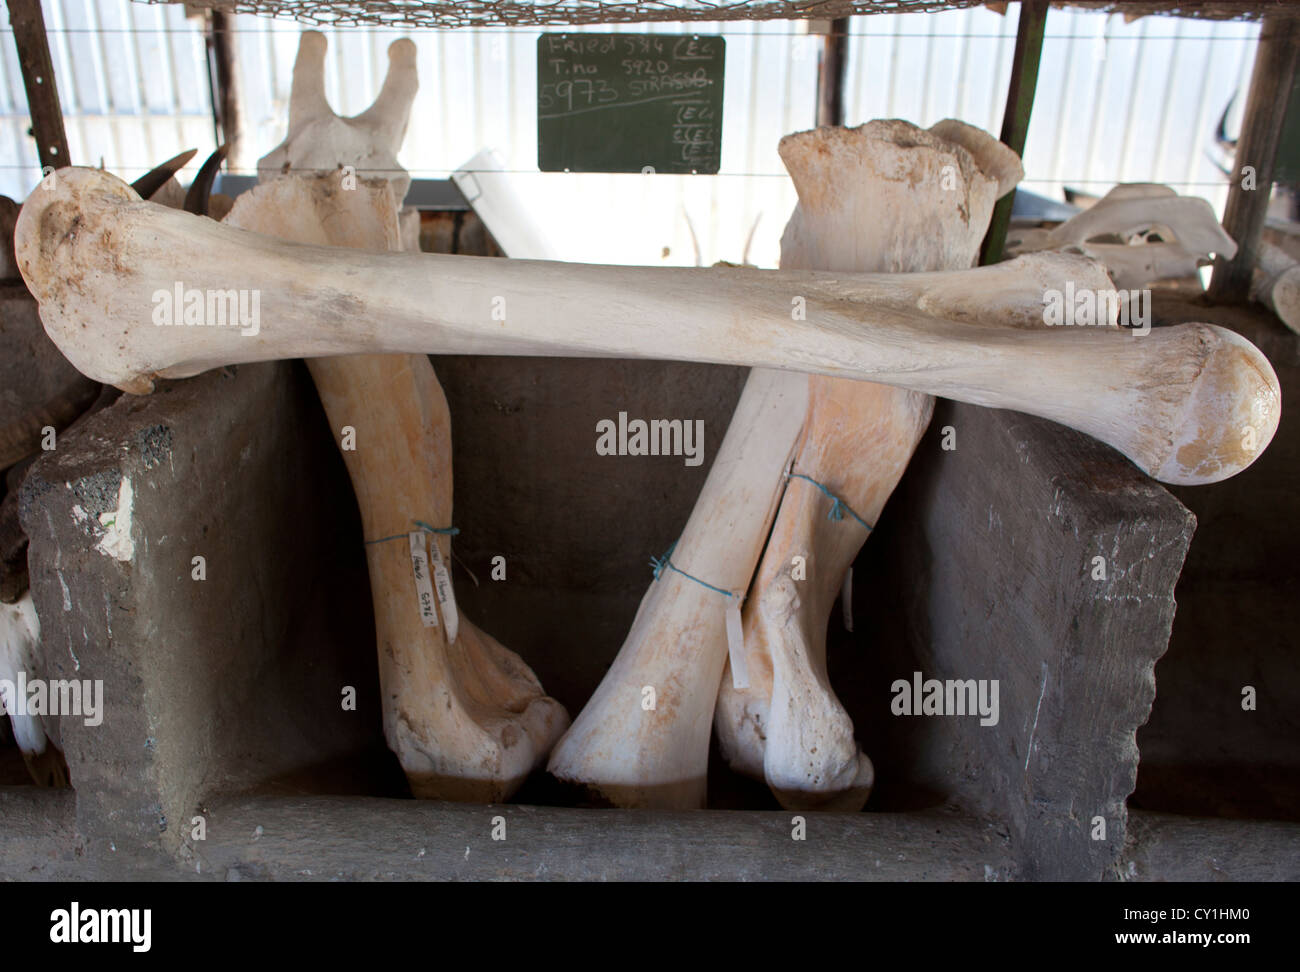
(466, 717)
(36, 735)
(643, 738)
(883, 197)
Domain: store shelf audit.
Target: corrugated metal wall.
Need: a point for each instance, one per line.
(1115, 102)
(133, 82)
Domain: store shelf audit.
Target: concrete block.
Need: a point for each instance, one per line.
(984, 566)
(224, 683)
(38, 387)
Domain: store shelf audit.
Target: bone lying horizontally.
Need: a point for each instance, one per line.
(1276, 284)
(466, 717)
(1176, 401)
(855, 213)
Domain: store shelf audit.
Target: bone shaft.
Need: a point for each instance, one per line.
(446, 304)
(740, 496)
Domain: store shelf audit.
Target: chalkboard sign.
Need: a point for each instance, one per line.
(622, 102)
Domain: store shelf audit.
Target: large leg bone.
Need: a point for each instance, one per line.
(1177, 401)
(642, 740)
(883, 197)
(466, 717)
(658, 757)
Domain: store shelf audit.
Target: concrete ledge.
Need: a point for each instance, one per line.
(331, 838)
(38, 839)
(1166, 847)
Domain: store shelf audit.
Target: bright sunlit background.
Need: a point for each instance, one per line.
(1116, 102)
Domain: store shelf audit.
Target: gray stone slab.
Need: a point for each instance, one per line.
(982, 567)
(38, 839)
(214, 684)
(1166, 847)
(355, 839)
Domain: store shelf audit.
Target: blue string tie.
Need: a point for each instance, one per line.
(660, 564)
(450, 531)
(838, 506)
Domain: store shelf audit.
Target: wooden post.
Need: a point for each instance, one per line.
(224, 84)
(38, 78)
(1261, 134)
(832, 64)
(1015, 120)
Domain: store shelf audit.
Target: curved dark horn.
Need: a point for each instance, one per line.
(196, 200)
(156, 178)
(1221, 130)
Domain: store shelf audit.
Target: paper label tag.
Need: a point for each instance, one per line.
(846, 600)
(423, 586)
(736, 645)
(446, 594)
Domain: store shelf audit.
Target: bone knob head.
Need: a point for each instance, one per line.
(65, 249)
(860, 189)
(1231, 414)
(321, 141)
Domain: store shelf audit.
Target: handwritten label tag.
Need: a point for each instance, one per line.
(446, 595)
(736, 645)
(423, 586)
(846, 600)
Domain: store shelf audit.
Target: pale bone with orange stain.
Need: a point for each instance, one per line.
(638, 756)
(642, 740)
(884, 197)
(468, 720)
